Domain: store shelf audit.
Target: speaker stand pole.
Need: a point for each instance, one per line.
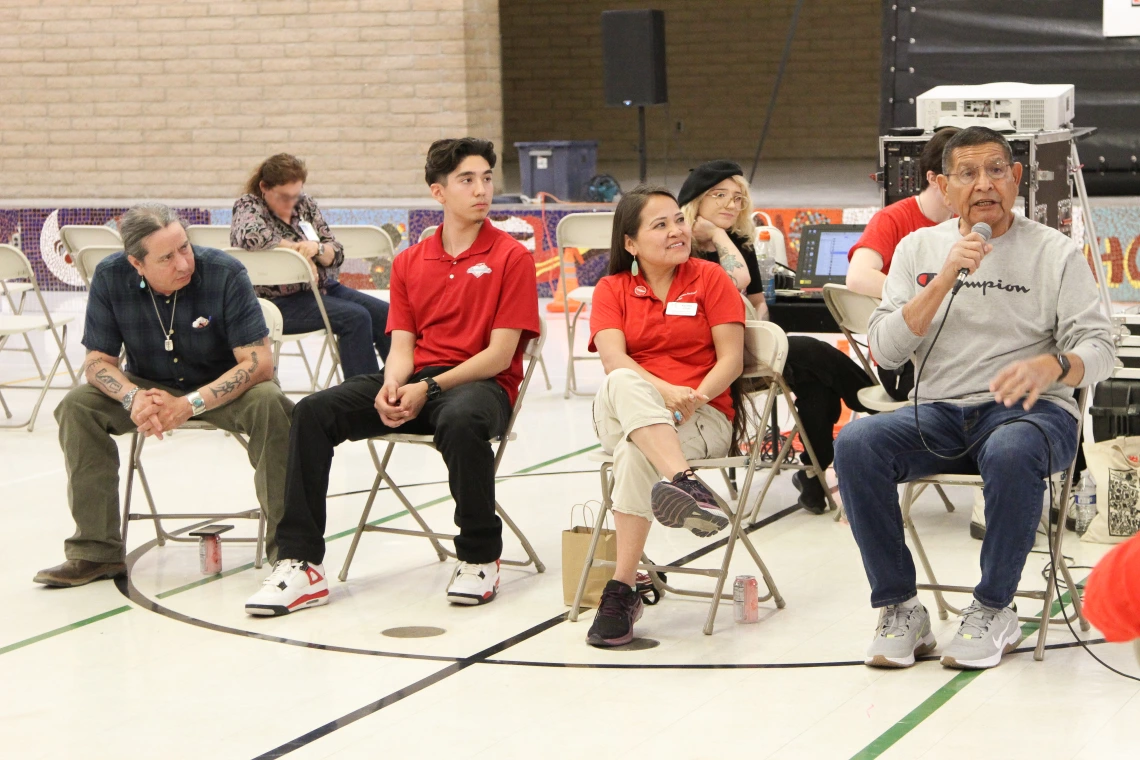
(641, 146)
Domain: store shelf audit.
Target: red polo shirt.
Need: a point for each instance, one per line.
(452, 304)
(677, 348)
(889, 226)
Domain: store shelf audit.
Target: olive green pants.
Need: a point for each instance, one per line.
(88, 418)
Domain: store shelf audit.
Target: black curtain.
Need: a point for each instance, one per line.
(927, 43)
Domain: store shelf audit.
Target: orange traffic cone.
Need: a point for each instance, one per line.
(557, 306)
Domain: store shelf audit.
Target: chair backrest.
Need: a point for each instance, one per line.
(273, 319)
(14, 265)
(363, 241)
(428, 232)
(587, 230)
(765, 349)
(78, 236)
(209, 235)
(276, 266)
(532, 353)
(89, 257)
(852, 312)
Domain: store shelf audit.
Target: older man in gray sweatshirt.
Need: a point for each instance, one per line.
(1023, 330)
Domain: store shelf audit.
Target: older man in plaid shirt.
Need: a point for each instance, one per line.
(196, 345)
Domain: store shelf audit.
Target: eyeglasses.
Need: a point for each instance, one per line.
(729, 200)
(995, 170)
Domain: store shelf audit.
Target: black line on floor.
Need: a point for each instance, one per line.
(408, 691)
(515, 476)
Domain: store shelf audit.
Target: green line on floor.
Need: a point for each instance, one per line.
(909, 721)
(249, 565)
(64, 629)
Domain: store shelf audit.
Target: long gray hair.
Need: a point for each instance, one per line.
(140, 222)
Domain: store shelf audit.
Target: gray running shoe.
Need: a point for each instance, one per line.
(903, 634)
(983, 636)
(686, 503)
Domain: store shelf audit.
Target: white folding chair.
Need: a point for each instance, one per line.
(428, 232)
(852, 312)
(77, 236)
(1055, 538)
(88, 257)
(532, 352)
(273, 321)
(363, 241)
(10, 289)
(209, 235)
(282, 266)
(766, 350)
(15, 266)
(585, 231)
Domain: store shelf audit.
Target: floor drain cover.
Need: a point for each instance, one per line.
(414, 632)
(638, 644)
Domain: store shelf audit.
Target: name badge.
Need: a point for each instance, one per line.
(680, 309)
(310, 233)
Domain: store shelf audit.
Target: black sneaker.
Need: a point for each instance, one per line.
(620, 608)
(686, 503)
(812, 497)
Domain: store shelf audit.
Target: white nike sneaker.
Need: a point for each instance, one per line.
(293, 585)
(474, 584)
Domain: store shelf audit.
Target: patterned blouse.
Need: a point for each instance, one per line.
(255, 228)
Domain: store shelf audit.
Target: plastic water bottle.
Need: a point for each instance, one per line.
(1084, 503)
(766, 263)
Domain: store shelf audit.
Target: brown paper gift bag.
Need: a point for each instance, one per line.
(575, 547)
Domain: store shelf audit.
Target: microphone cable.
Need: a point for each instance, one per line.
(1052, 498)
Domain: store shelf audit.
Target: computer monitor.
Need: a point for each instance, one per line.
(823, 254)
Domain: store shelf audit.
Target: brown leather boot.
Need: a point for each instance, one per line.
(79, 572)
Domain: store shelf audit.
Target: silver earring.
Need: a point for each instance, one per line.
(633, 269)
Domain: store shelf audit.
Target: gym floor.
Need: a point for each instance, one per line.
(168, 665)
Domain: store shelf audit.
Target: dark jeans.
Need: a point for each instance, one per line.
(358, 319)
(821, 375)
(874, 454)
(463, 421)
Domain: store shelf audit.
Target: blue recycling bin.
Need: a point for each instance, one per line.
(562, 168)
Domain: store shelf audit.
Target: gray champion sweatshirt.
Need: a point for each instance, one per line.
(1032, 294)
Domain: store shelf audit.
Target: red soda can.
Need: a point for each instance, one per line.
(210, 548)
(745, 599)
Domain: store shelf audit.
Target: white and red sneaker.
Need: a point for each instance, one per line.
(293, 585)
(474, 584)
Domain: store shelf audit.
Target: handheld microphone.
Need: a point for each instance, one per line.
(985, 231)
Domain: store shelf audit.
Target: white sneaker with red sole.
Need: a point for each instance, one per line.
(474, 584)
(293, 585)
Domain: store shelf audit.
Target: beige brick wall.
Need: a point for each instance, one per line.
(722, 58)
(182, 98)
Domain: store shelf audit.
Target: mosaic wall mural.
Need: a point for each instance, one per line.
(36, 232)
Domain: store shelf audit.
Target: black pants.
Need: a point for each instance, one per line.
(821, 376)
(463, 420)
(897, 382)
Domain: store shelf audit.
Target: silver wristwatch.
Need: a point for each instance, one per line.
(196, 403)
(129, 398)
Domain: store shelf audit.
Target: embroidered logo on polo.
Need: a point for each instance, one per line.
(479, 270)
(640, 290)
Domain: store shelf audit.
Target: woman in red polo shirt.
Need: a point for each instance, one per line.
(670, 331)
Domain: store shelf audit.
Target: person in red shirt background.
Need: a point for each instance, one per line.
(1112, 593)
(464, 303)
(670, 331)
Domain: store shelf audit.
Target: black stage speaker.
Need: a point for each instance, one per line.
(633, 55)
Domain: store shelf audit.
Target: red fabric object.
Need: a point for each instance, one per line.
(1112, 593)
(674, 347)
(888, 227)
(451, 304)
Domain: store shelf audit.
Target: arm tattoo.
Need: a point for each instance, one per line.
(239, 378)
(729, 260)
(92, 363)
(104, 377)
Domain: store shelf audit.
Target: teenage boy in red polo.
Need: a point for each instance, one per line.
(464, 303)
